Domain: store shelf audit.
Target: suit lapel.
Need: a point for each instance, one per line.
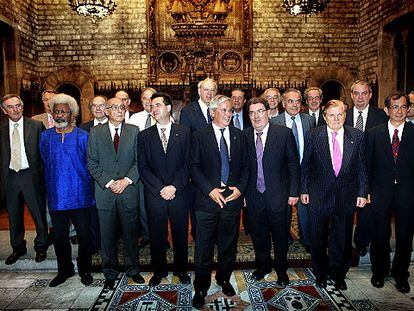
(211, 139)
(387, 143)
(27, 135)
(174, 137)
(6, 139)
(406, 137)
(348, 149)
(109, 141)
(251, 143)
(199, 112)
(234, 140)
(323, 148)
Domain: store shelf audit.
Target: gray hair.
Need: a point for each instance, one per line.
(8, 96)
(202, 82)
(67, 100)
(362, 82)
(217, 100)
(291, 90)
(312, 88)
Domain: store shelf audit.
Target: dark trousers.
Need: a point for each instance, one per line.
(269, 226)
(304, 224)
(61, 221)
(95, 230)
(20, 184)
(158, 217)
(221, 227)
(380, 245)
(109, 219)
(143, 219)
(363, 228)
(331, 234)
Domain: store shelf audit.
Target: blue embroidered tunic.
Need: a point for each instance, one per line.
(68, 182)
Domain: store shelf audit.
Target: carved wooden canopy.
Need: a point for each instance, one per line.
(191, 39)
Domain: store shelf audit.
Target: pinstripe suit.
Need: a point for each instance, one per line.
(332, 200)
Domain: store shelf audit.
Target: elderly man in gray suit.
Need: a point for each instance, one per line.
(300, 123)
(113, 163)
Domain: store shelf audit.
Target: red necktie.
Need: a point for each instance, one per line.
(116, 140)
(395, 144)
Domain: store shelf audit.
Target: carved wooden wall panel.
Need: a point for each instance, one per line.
(191, 39)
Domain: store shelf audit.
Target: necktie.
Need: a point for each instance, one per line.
(336, 154)
(164, 140)
(224, 156)
(395, 144)
(50, 121)
(260, 183)
(116, 140)
(295, 132)
(208, 116)
(148, 121)
(237, 121)
(360, 122)
(314, 117)
(16, 150)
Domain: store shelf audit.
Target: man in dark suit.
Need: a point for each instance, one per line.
(390, 149)
(273, 186)
(97, 108)
(240, 118)
(219, 169)
(333, 183)
(163, 160)
(22, 174)
(313, 97)
(300, 123)
(113, 163)
(363, 117)
(196, 116)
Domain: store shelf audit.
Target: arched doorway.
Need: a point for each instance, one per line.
(332, 89)
(72, 90)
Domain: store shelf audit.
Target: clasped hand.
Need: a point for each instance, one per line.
(217, 196)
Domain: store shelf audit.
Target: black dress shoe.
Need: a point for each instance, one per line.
(321, 282)
(198, 299)
(86, 279)
(340, 284)
(13, 257)
(61, 278)
(282, 279)
(137, 278)
(183, 277)
(156, 279)
(41, 256)
(226, 288)
(110, 284)
(402, 286)
(377, 282)
(259, 274)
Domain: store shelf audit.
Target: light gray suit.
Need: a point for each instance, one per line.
(105, 165)
(308, 122)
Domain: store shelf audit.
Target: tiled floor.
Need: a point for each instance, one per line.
(28, 290)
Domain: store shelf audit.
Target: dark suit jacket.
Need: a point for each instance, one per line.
(158, 169)
(32, 133)
(246, 120)
(328, 193)
(321, 120)
(205, 167)
(280, 166)
(87, 126)
(192, 117)
(375, 116)
(105, 164)
(307, 121)
(383, 171)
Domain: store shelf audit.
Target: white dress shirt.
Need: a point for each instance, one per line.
(112, 129)
(226, 134)
(339, 139)
(167, 130)
(140, 118)
(25, 162)
(96, 122)
(240, 116)
(364, 116)
(391, 129)
(204, 108)
(298, 121)
(316, 115)
(263, 137)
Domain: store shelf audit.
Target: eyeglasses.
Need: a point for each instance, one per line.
(62, 112)
(101, 106)
(272, 97)
(396, 107)
(11, 107)
(115, 108)
(312, 98)
(225, 111)
(258, 113)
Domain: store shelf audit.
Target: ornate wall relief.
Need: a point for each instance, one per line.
(191, 39)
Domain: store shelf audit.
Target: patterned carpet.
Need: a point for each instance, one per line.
(301, 294)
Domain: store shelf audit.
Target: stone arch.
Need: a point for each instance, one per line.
(342, 75)
(83, 80)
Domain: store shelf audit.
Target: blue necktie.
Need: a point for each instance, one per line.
(224, 156)
(208, 116)
(295, 133)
